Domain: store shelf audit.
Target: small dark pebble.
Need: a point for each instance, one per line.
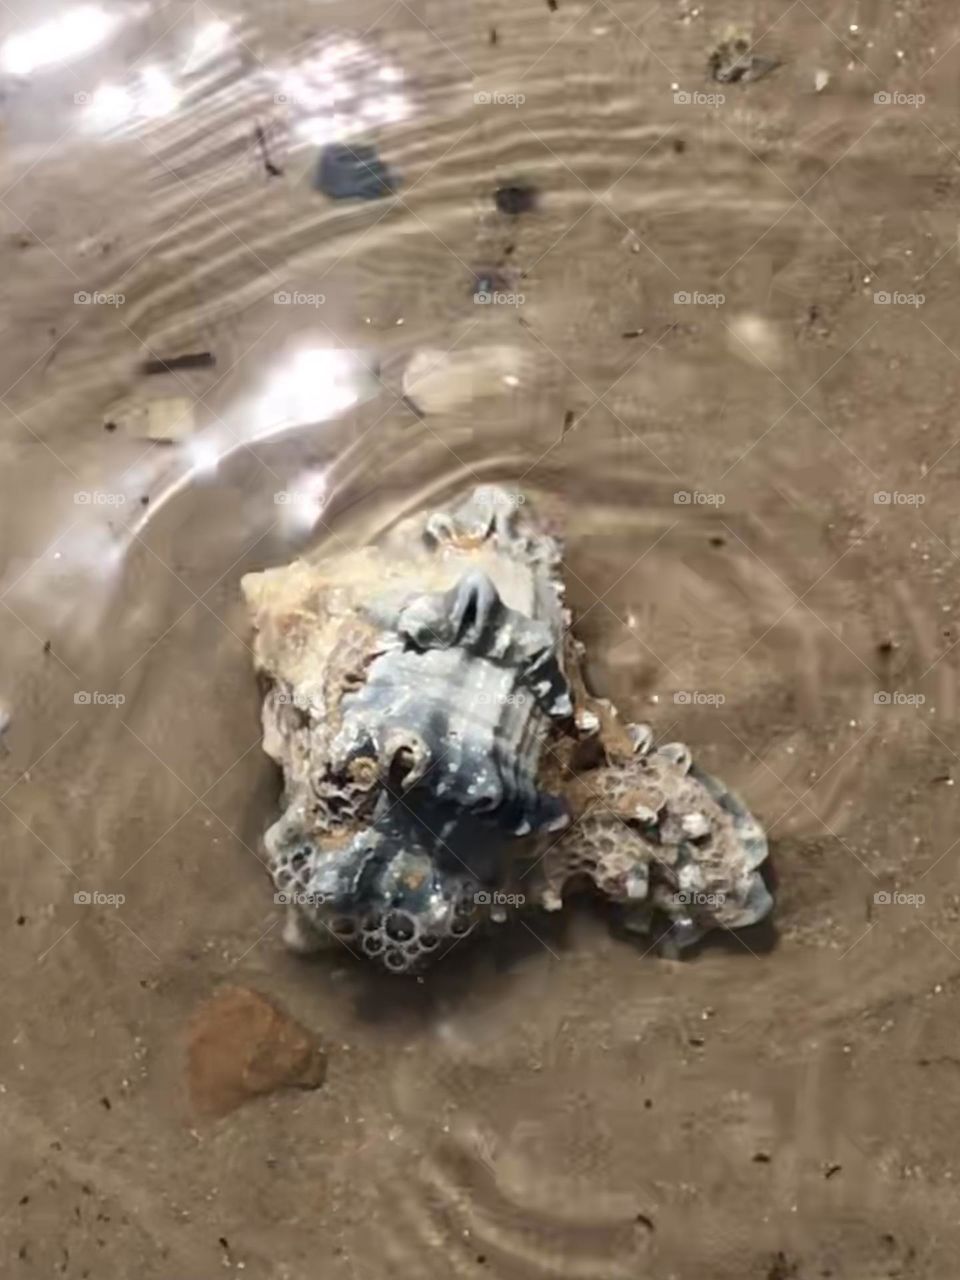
(488, 282)
(352, 173)
(783, 1268)
(642, 1220)
(761, 1158)
(648, 1103)
(553, 5)
(885, 648)
(223, 1242)
(515, 199)
(696, 1041)
(145, 501)
(508, 250)
(631, 333)
(717, 541)
(481, 1259)
(732, 63)
(109, 426)
(568, 420)
(48, 646)
(679, 146)
(105, 1103)
(831, 1169)
(21, 919)
(24, 1199)
(493, 35)
(191, 360)
(942, 777)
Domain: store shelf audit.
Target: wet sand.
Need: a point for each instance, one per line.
(555, 1102)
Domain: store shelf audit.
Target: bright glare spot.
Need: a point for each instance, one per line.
(318, 130)
(387, 109)
(341, 91)
(210, 41)
(111, 106)
(203, 455)
(342, 52)
(152, 96)
(158, 95)
(71, 35)
(303, 503)
(310, 88)
(316, 384)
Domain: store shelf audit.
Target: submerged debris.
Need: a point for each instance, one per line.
(191, 360)
(353, 172)
(271, 169)
(164, 419)
(733, 62)
(426, 704)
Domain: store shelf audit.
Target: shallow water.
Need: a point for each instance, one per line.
(558, 1104)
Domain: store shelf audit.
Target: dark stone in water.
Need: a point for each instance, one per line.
(487, 281)
(352, 173)
(732, 62)
(241, 1045)
(516, 198)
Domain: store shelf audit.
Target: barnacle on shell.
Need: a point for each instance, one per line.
(450, 742)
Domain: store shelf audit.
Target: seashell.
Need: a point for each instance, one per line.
(425, 703)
